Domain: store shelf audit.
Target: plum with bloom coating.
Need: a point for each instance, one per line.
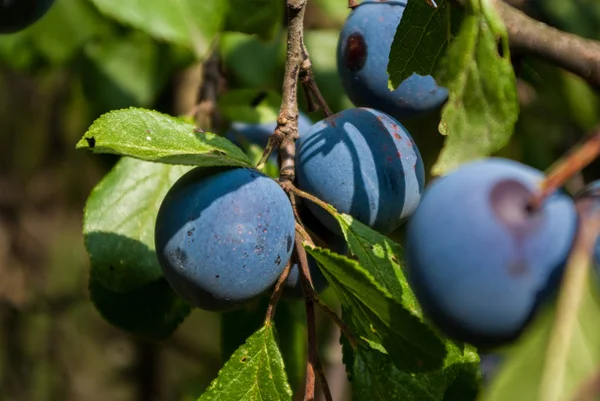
(224, 235)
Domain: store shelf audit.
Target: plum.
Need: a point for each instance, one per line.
(362, 59)
(364, 163)
(223, 236)
(479, 259)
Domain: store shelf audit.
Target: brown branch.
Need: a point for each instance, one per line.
(306, 281)
(568, 166)
(313, 93)
(565, 50)
(279, 286)
(340, 323)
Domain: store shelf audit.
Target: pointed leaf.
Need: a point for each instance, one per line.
(374, 376)
(254, 372)
(375, 315)
(153, 136)
(380, 256)
(118, 223)
(421, 39)
(482, 108)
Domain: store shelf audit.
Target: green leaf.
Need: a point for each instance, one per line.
(250, 105)
(119, 219)
(189, 23)
(380, 256)
(421, 39)
(261, 17)
(136, 65)
(153, 136)
(374, 376)
(520, 375)
(373, 313)
(482, 108)
(251, 62)
(254, 372)
(152, 311)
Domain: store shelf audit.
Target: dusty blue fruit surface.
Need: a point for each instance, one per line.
(362, 59)
(364, 163)
(16, 15)
(480, 261)
(223, 236)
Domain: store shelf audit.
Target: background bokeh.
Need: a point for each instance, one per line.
(75, 64)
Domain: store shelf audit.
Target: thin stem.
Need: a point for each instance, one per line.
(296, 191)
(568, 166)
(307, 286)
(279, 286)
(323, 380)
(311, 88)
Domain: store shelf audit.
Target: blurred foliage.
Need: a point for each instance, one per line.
(75, 64)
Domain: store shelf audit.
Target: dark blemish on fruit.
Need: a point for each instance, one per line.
(355, 55)
(397, 136)
(217, 276)
(509, 200)
(278, 260)
(91, 141)
(190, 232)
(180, 255)
(259, 249)
(289, 243)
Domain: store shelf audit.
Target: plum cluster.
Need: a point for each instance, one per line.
(16, 15)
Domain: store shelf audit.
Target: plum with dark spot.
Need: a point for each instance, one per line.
(16, 15)
(365, 164)
(478, 258)
(362, 59)
(222, 236)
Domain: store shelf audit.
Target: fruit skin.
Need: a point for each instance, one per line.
(479, 261)
(16, 15)
(364, 163)
(362, 59)
(259, 133)
(223, 236)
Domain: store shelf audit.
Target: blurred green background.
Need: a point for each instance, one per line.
(75, 64)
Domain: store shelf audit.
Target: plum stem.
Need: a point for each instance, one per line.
(276, 295)
(569, 300)
(306, 281)
(566, 167)
(311, 88)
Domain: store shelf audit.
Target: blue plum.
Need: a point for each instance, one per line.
(364, 163)
(478, 258)
(323, 238)
(362, 59)
(223, 236)
(16, 15)
(259, 133)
